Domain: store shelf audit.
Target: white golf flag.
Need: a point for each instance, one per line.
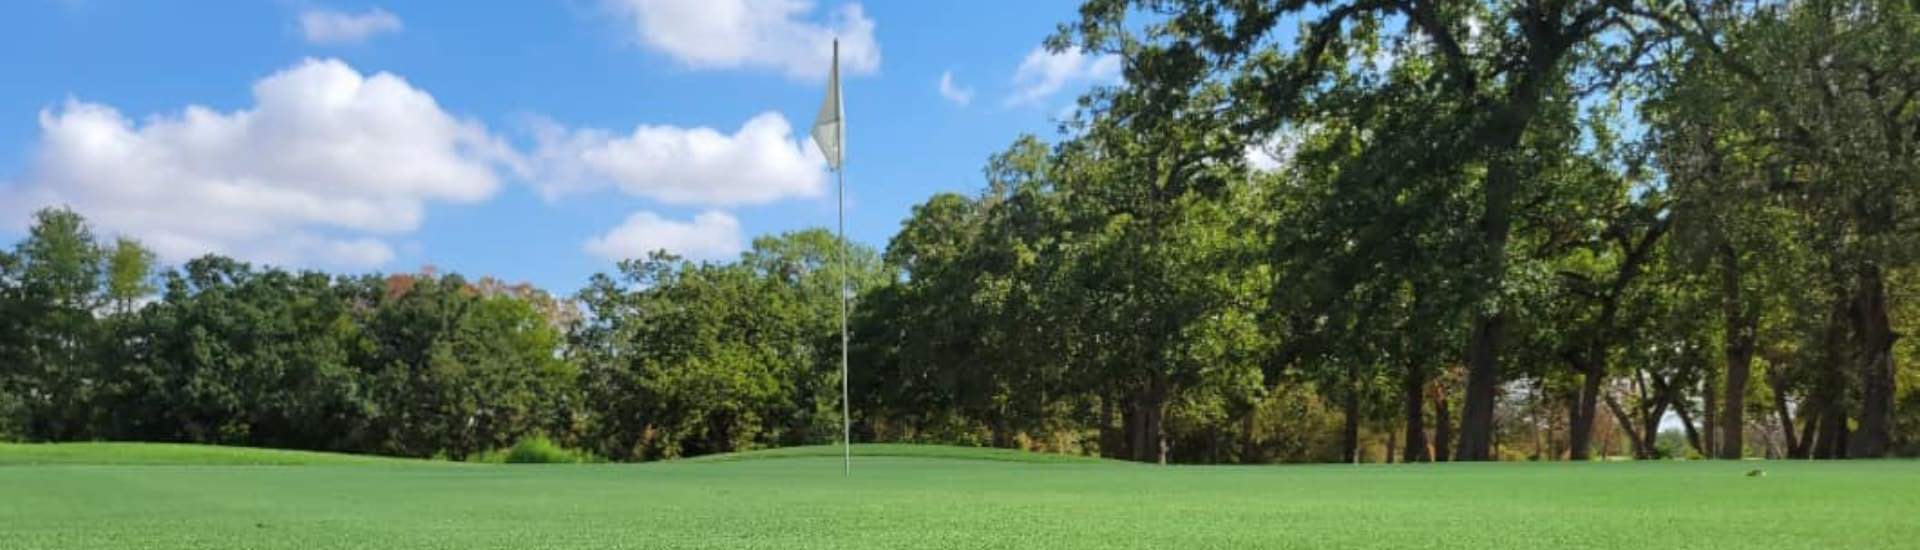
(830, 126)
(830, 134)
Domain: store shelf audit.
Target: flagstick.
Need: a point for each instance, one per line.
(846, 407)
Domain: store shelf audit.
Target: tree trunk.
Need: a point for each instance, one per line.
(1001, 433)
(1483, 374)
(1387, 452)
(1483, 346)
(1655, 395)
(1501, 138)
(1626, 423)
(1831, 441)
(1112, 441)
(1687, 425)
(1136, 418)
(1741, 331)
(1810, 422)
(1350, 431)
(1249, 446)
(1442, 425)
(1415, 386)
(1147, 442)
(1830, 388)
(1704, 441)
(1606, 439)
(1156, 433)
(1812, 415)
(1650, 431)
(1535, 426)
(1874, 338)
(1586, 407)
(1781, 411)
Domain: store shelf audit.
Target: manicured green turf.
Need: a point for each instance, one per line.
(896, 450)
(16, 454)
(943, 498)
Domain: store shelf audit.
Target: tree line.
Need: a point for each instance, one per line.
(1388, 230)
(666, 358)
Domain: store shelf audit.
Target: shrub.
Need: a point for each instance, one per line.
(1671, 444)
(11, 413)
(536, 450)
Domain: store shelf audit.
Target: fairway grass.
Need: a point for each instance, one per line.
(906, 497)
(155, 454)
(901, 450)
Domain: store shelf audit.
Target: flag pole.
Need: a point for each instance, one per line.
(846, 406)
(830, 134)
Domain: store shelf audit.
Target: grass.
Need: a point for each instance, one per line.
(901, 450)
(936, 497)
(156, 454)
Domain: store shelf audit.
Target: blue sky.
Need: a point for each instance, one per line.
(533, 141)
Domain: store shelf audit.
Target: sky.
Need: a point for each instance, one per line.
(536, 141)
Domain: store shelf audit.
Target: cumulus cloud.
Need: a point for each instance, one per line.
(761, 162)
(1266, 157)
(712, 235)
(953, 92)
(1044, 73)
(334, 27)
(769, 34)
(325, 163)
(1276, 151)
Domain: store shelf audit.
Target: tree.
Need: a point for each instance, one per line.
(13, 338)
(1154, 266)
(233, 355)
(1825, 92)
(1497, 65)
(59, 268)
(683, 358)
(457, 370)
(972, 305)
(129, 274)
(1599, 275)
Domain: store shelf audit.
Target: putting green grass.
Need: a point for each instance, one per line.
(153, 454)
(908, 497)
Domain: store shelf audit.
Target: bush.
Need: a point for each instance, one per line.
(536, 450)
(10, 414)
(1906, 426)
(1671, 444)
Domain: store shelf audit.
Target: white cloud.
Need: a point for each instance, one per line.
(953, 92)
(1263, 160)
(1044, 73)
(774, 34)
(712, 235)
(1276, 152)
(761, 162)
(326, 161)
(333, 27)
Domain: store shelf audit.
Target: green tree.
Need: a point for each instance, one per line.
(58, 272)
(683, 358)
(13, 339)
(1498, 67)
(1820, 96)
(129, 274)
(457, 370)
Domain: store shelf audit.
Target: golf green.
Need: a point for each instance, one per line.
(122, 496)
